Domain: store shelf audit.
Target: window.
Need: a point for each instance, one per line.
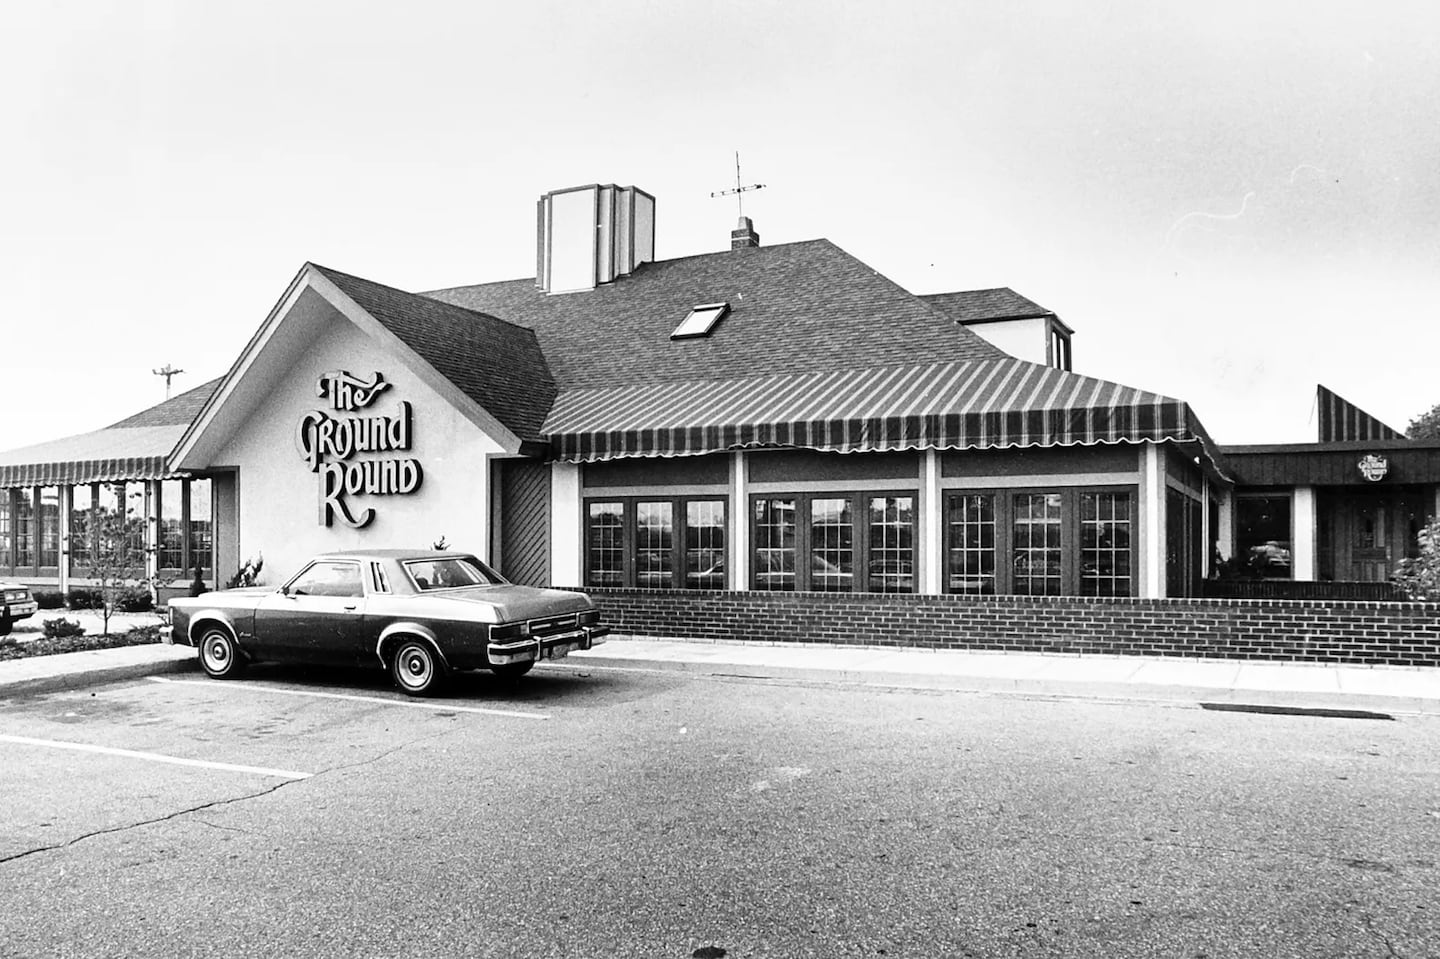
(835, 537)
(1037, 544)
(654, 545)
(705, 544)
(327, 579)
(970, 528)
(82, 526)
(25, 528)
(1262, 534)
(606, 538)
(199, 519)
(700, 321)
(50, 528)
(449, 573)
(1105, 544)
(1040, 542)
(7, 543)
(656, 542)
(172, 525)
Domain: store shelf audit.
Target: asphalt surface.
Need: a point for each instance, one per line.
(610, 812)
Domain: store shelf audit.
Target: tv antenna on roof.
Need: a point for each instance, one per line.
(167, 371)
(739, 200)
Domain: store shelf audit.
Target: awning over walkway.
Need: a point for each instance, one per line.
(108, 455)
(966, 405)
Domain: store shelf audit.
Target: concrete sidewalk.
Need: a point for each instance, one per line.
(1381, 688)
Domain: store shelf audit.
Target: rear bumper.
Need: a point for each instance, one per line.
(537, 648)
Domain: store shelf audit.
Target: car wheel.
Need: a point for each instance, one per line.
(416, 668)
(512, 670)
(4, 627)
(219, 656)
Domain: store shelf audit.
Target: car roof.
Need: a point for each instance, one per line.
(392, 553)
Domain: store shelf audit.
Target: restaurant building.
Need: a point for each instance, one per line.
(761, 421)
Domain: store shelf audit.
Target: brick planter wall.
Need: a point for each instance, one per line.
(1332, 631)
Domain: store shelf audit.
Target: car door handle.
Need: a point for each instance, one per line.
(350, 608)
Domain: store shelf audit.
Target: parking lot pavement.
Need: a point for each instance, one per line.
(1394, 689)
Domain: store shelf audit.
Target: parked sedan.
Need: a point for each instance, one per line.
(15, 603)
(419, 614)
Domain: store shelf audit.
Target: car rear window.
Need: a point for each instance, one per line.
(448, 573)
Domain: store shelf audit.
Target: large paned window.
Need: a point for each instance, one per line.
(1105, 540)
(200, 520)
(821, 541)
(82, 526)
(1037, 545)
(970, 550)
(655, 542)
(1262, 534)
(24, 523)
(1040, 542)
(172, 525)
(7, 539)
(49, 559)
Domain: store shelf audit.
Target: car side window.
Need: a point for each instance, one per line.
(328, 579)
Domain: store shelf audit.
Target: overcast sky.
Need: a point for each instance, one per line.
(1228, 203)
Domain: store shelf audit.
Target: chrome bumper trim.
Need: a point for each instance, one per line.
(557, 646)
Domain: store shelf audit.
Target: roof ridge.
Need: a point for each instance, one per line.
(332, 272)
(642, 266)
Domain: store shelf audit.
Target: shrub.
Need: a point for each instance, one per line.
(49, 599)
(61, 628)
(248, 574)
(135, 599)
(1419, 576)
(84, 598)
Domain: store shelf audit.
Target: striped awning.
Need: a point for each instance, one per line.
(104, 456)
(965, 405)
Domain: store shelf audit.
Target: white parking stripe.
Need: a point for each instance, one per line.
(437, 707)
(153, 757)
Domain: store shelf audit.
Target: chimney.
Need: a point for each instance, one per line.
(744, 235)
(592, 234)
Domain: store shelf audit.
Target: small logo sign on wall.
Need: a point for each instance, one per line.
(329, 445)
(1373, 467)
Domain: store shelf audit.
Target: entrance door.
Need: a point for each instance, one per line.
(1370, 542)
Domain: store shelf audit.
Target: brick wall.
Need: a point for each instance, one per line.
(1297, 630)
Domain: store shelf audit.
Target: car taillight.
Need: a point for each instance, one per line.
(509, 632)
(589, 618)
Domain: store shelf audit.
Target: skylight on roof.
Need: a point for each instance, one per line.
(700, 321)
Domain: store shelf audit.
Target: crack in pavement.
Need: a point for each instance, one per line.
(1369, 925)
(213, 804)
(147, 822)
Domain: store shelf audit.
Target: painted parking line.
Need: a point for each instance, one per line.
(153, 757)
(349, 697)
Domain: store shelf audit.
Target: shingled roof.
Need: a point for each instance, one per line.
(497, 364)
(176, 411)
(979, 306)
(133, 449)
(794, 308)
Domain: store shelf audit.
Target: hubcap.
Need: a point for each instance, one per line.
(415, 667)
(218, 653)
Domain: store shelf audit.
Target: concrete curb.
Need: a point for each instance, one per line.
(76, 674)
(1190, 695)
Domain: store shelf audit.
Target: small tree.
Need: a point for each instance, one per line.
(1419, 576)
(118, 563)
(1426, 426)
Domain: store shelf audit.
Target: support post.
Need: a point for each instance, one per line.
(1152, 522)
(739, 522)
(1303, 535)
(932, 510)
(567, 526)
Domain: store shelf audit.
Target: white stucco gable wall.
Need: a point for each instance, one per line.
(279, 497)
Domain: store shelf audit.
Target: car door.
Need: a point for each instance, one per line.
(318, 616)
